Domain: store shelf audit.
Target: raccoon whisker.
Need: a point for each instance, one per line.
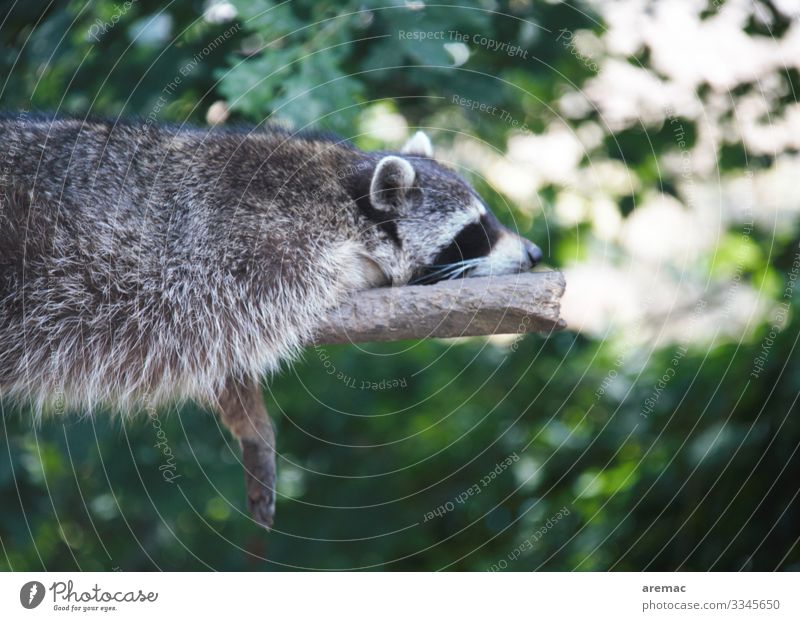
(458, 272)
(447, 271)
(427, 278)
(464, 262)
(445, 266)
(431, 275)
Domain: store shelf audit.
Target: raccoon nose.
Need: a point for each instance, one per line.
(533, 251)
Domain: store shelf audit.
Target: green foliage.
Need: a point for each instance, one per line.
(378, 444)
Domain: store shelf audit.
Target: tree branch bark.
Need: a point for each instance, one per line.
(512, 304)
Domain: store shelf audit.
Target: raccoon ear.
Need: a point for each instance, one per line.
(392, 182)
(418, 144)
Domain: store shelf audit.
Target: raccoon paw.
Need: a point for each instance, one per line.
(259, 474)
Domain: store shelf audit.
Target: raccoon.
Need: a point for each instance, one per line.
(142, 264)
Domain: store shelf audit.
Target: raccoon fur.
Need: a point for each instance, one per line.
(142, 263)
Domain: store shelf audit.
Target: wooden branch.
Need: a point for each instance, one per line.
(512, 304)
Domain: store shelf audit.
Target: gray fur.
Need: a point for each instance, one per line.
(148, 263)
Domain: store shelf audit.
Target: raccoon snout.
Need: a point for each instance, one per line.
(533, 251)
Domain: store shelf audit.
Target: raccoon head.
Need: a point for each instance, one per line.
(442, 227)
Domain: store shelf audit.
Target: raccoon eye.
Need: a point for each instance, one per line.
(475, 240)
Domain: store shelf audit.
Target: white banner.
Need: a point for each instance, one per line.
(401, 596)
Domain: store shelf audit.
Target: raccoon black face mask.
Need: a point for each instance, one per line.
(439, 225)
(141, 263)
